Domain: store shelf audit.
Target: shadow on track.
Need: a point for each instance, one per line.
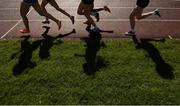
(162, 68)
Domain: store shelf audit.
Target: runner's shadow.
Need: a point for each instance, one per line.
(162, 68)
(93, 62)
(26, 52)
(48, 42)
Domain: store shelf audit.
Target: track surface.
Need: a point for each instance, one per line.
(118, 22)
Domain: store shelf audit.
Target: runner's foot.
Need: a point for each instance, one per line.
(24, 30)
(156, 12)
(97, 17)
(106, 8)
(130, 33)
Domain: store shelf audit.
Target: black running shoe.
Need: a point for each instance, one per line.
(157, 12)
(97, 17)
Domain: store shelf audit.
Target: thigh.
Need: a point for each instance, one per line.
(88, 9)
(54, 4)
(24, 9)
(139, 11)
(136, 12)
(37, 7)
(81, 8)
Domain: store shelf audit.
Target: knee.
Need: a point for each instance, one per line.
(24, 17)
(131, 16)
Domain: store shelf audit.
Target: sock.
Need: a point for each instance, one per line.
(95, 28)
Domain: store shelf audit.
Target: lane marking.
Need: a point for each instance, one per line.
(19, 21)
(105, 20)
(170, 37)
(163, 8)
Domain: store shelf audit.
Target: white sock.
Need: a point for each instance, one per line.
(95, 28)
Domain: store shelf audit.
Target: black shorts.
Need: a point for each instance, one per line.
(142, 3)
(31, 2)
(88, 2)
(48, 0)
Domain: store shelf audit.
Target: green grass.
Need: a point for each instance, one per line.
(116, 71)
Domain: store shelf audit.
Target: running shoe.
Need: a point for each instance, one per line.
(46, 22)
(24, 31)
(95, 29)
(156, 12)
(130, 33)
(106, 8)
(97, 17)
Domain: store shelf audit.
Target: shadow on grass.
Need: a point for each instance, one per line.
(93, 44)
(48, 42)
(162, 68)
(27, 49)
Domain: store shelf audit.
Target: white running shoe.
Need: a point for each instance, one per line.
(130, 33)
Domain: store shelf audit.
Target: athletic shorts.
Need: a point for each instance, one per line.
(48, 0)
(31, 2)
(88, 2)
(142, 3)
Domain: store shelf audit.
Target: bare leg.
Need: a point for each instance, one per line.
(137, 13)
(42, 12)
(24, 9)
(55, 5)
(132, 18)
(140, 15)
(87, 12)
(105, 8)
(80, 10)
(43, 5)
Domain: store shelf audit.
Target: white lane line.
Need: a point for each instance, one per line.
(11, 29)
(19, 21)
(105, 20)
(168, 8)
